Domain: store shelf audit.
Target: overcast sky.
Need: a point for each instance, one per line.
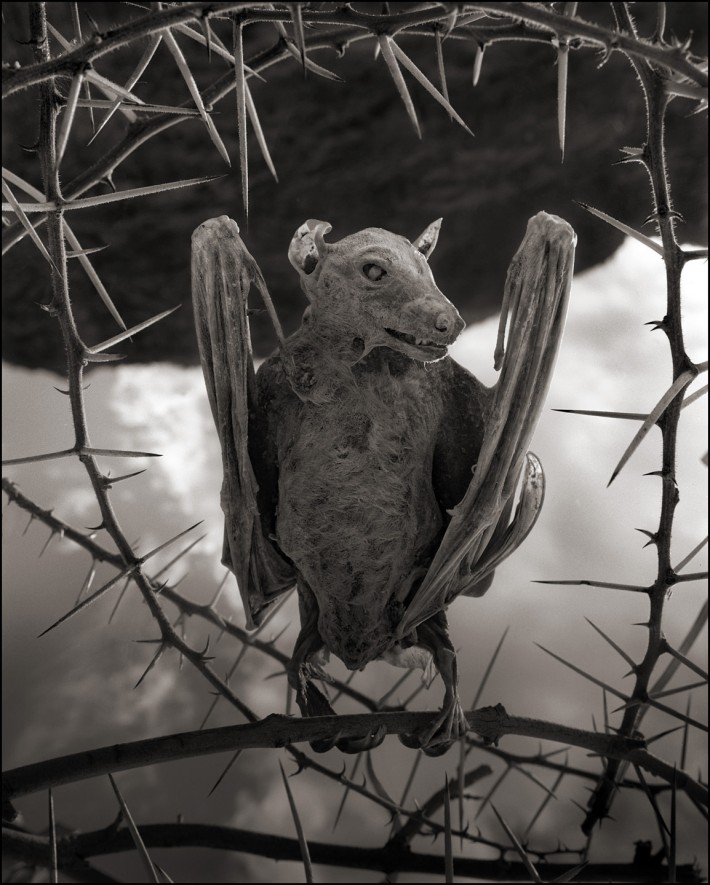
(73, 688)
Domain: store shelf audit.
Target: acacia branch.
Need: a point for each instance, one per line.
(99, 44)
(491, 723)
(653, 158)
(73, 849)
(60, 307)
(207, 612)
(58, 526)
(353, 27)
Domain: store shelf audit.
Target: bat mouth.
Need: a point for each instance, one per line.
(422, 345)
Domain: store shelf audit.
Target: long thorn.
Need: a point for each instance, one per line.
(489, 668)
(680, 382)
(637, 588)
(303, 844)
(90, 600)
(346, 792)
(222, 776)
(407, 62)
(133, 79)
(583, 673)
(68, 117)
(28, 226)
(448, 852)
(617, 648)
(624, 228)
(673, 835)
(629, 416)
(135, 835)
(688, 663)
(297, 19)
(259, 132)
(184, 69)
(53, 868)
(535, 876)
(386, 48)
(128, 333)
(240, 91)
(169, 542)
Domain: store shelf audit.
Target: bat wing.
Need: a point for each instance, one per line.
(480, 534)
(222, 274)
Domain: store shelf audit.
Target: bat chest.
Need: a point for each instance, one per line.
(357, 511)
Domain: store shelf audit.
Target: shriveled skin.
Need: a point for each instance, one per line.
(364, 481)
(362, 463)
(372, 432)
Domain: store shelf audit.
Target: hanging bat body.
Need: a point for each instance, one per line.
(362, 463)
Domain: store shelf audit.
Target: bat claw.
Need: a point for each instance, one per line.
(324, 744)
(361, 744)
(312, 702)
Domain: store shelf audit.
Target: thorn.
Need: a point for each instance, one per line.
(222, 776)
(97, 594)
(94, 26)
(207, 34)
(652, 537)
(478, 63)
(153, 661)
(109, 482)
(89, 357)
(47, 542)
(634, 152)
(202, 655)
(168, 542)
(68, 392)
(668, 213)
(662, 734)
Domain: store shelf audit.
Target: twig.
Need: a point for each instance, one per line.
(73, 849)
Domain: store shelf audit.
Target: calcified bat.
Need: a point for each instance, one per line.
(361, 463)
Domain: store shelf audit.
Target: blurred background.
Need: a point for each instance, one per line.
(347, 153)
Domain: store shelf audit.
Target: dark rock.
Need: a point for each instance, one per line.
(346, 152)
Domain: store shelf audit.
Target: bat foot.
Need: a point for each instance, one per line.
(313, 702)
(443, 733)
(351, 745)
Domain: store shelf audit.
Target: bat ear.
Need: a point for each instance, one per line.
(307, 246)
(426, 242)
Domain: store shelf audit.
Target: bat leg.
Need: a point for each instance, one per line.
(450, 724)
(301, 672)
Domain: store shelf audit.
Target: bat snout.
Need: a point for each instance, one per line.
(449, 324)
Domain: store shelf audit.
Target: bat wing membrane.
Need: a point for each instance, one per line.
(222, 274)
(481, 534)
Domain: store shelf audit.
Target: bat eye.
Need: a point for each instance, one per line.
(374, 272)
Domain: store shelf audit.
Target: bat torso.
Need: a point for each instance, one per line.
(357, 512)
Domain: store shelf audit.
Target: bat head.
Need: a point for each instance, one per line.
(376, 287)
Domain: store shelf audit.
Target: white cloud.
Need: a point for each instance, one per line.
(607, 361)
